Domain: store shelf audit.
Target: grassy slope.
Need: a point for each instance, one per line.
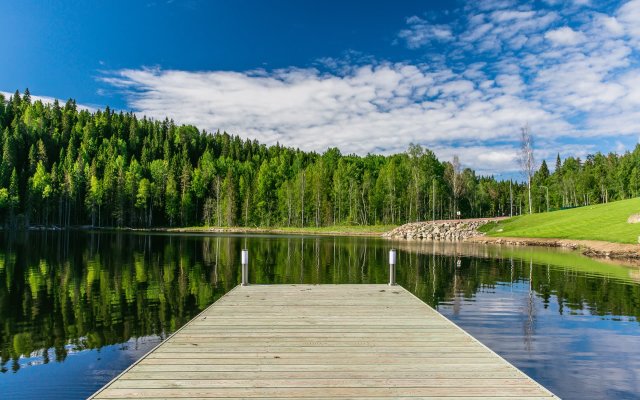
(607, 222)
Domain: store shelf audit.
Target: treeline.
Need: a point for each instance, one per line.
(63, 166)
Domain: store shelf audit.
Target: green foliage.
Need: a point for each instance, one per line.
(4, 198)
(63, 167)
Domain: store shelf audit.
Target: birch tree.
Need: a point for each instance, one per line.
(453, 174)
(527, 160)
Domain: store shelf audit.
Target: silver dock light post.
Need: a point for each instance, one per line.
(392, 267)
(245, 266)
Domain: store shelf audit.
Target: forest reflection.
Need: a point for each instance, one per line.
(71, 291)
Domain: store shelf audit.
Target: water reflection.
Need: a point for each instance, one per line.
(94, 302)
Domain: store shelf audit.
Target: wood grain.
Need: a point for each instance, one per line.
(321, 341)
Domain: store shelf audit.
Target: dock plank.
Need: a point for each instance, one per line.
(321, 341)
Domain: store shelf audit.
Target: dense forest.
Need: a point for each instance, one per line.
(63, 166)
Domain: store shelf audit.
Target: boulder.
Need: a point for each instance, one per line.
(634, 218)
(437, 230)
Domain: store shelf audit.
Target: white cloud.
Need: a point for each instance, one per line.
(565, 36)
(581, 90)
(421, 32)
(500, 29)
(373, 108)
(609, 25)
(485, 160)
(629, 16)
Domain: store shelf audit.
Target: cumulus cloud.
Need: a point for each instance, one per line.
(564, 36)
(421, 32)
(500, 29)
(486, 160)
(609, 25)
(629, 16)
(583, 88)
(372, 108)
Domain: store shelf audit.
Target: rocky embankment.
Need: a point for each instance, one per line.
(467, 229)
(439, 230)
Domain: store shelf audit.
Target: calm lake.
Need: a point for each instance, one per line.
(77, 308)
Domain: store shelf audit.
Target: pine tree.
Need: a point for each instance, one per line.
(544, 171)
(14, 193)
(113, 169)
(172, 199)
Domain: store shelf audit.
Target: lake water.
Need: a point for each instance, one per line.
(78, 308)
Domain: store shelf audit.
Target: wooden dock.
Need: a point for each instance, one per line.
(322, 341)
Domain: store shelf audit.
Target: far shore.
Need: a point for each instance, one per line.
(629, 253)
(335, 230)
(371, 231)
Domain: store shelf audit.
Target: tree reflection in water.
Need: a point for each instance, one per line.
(70, 291)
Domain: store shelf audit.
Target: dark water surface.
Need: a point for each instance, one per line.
(78, 308)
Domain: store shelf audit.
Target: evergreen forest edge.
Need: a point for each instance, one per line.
(61, 166)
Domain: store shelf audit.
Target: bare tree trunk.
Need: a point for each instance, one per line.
(317, 206)
(218, 211)
(529, 190)
(510, 200)
(289, 207)
(527, 161)
(433, 200)
(246, 211)
(302, 202)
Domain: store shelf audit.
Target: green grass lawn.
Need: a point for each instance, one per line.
(606, 222)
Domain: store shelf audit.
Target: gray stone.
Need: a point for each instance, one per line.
(634, 218)
(437, 230)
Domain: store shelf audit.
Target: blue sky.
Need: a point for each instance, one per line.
(458, 77)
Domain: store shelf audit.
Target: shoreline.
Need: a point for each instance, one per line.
(369, 231)
(591, 248)
(602, 250)
(276, 231)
